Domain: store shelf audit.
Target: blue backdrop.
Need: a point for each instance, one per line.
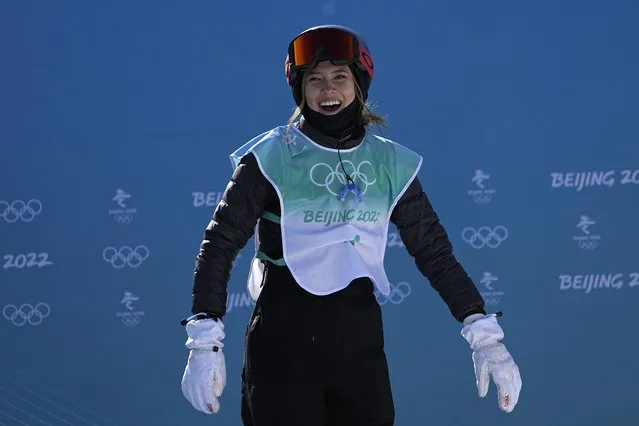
(117, 121)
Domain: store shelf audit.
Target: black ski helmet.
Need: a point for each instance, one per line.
(335, 43)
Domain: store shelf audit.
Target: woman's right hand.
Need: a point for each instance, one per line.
(204, 377)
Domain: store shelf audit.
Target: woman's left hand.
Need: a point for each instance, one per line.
(492, 359)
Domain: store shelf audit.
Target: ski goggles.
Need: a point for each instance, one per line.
(336, 45)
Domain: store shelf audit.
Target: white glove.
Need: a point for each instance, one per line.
(490, 358)
(204, 377)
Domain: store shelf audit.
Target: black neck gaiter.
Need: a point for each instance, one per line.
(343, 126)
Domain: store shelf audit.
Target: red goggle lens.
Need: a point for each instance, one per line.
(336, 45)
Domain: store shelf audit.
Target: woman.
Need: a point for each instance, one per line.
(321, 193)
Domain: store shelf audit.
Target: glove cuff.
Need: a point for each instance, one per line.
(472, 318)
(205, 334)
(482, 331)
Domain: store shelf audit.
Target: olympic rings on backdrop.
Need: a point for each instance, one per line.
(485, 236)
(482, 198)
(129, 320)
(587, 244)
(492, 300)
(19, 210)
(26, 314)
(122, 218)
(397, 294)
(125, 256)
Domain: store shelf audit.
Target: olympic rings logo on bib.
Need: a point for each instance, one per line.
(333, 180)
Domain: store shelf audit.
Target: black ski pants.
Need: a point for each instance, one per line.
(315, 360)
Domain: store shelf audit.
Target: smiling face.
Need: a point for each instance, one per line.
(329, 88)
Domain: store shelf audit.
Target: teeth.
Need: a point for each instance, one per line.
(330, 103)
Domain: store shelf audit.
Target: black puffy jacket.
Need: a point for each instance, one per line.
(249, 195)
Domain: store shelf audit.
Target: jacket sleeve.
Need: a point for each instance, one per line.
(232, 225)
(427, 242)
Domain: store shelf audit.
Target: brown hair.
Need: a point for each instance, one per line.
(368, 116)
